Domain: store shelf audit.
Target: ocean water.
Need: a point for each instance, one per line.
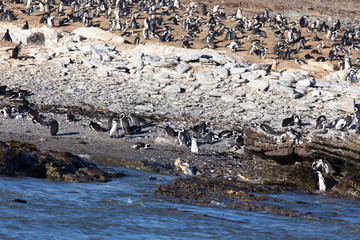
(126, 208)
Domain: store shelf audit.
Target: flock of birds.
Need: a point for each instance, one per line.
(130, 124)
(161, 17)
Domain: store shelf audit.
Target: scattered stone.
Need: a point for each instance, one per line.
(258, 84)
(182, 68)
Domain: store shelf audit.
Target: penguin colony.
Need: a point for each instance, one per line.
(202, 26)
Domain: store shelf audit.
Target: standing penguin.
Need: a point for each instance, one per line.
(137, 39)
(321, 183)
(15, 51)
(7, 36)
(114, 128)
(54, 127)
(125, 124)
(194, 146)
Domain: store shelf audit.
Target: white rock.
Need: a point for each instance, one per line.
(94, 33)
(258, 84)
(206, 77)
(222, 71)
(228, 98)
(172, 89)
(182, 68)
(344, 104)
(191, 56)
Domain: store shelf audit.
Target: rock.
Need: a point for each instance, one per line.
(261, 66)
(297, 74)
(94, 33)
(206, 77)
(173, 89)
(23, 159)
(145, 108)
(36, 38)
(344, 104)
(102, 72)
(191, 56)
(61, 50)
(258, 84)
(306, 83)
(228, 98)
(285, 91)
(250, 75)
(221, 58)
(169, 140)
(238, 79)
(222, 71)
(182, 68)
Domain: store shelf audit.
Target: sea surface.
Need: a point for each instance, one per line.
(127, 208)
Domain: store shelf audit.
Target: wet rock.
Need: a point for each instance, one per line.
(22, 159)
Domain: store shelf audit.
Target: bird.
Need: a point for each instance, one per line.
(54, 127)
(6, 112)
(25, 26)
(70, 117)
(183, 167)
(125, 124)
(139, 145)
(7, 36)
(95, 126)
(211, 137)
(184, 138)
(16, 51)
(200, 129)
(321, 182)
(321, 122)
(322, 165)
(291, 121)
(170, 131)
(113, 132)
(110, 121)
(194, 146)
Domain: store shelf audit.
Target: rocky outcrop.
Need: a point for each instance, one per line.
(23, 159)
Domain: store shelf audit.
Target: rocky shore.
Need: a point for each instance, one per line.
(91, 73)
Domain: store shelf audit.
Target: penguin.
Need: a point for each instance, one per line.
(137, 39)
(226, 134)
(15, 51)
(211, 137)
(70, 117)
(321, 182)
(113, 132)
(184, 138)
(170, 131)
(125, 124)
(139, 145)
(95, 126)
(7, 36)
(33, 113)
(39, 120)
(3, 89)
(323, 165)
(321, 122)
(54, 127)
(110, 121)
(6, 111)
(25, 26)
(200, 129)
(194, 146)
(135, 121)
(291, 121)
(266, 128)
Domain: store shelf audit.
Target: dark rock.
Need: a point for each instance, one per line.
(23, 159)
(37, 38)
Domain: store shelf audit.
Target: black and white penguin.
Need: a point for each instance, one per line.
(170, 131)
(110, 121)
(113, 131)
(137, 39)
(200, 129)
(39, 120)
(139, 145)
(323, 166)
(211, 137)
(16, 50)
(184, 137)
(135, 121)
(340, 123)
(321, 122)
(321, 182)
(54, 127)
(70, 117)
(33, 113)
(6, 112)
(291, 121)
(25, 26)
(266, 128)
(194, 145)
(3, 89)
(125, 124)
(7, 36)
(95, 126)
(226, 134)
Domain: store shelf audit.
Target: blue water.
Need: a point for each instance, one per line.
(126, 208)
